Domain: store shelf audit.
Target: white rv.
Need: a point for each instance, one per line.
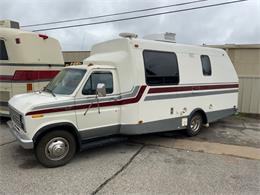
(28, 61)
(127, 86)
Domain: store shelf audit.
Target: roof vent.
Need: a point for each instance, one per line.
(9, 24)
(165, 37)
(128, 35)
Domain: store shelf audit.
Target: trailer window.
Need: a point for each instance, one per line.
(161, 68)
(3, 52)
(95, 78)
(206, 66)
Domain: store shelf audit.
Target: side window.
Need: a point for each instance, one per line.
(95, 78)
(3, 52)
(206, 66)
(161, 68)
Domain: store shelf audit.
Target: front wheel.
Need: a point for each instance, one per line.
(194, 124)
(55, 148)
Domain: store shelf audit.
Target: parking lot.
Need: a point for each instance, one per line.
(224, 158)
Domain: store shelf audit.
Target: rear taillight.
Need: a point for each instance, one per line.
(29, 87)
(43, 36)
(17, 41)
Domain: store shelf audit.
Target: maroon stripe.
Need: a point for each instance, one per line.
(6, 77)
(85, 106)
(190, 88)
(30, 75)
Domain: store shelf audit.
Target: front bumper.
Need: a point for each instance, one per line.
(24, 141)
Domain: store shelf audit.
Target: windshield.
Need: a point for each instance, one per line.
(66, 81)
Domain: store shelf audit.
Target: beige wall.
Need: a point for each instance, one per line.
(249, 95)
(246, 60)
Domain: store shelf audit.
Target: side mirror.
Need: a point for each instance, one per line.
(101, 90)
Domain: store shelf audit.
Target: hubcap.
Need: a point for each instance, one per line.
(57, 148)
(195, 123)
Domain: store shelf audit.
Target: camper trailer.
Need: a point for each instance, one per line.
(127, 86)
(28, 61)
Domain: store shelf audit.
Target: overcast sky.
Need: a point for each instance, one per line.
(229, 24)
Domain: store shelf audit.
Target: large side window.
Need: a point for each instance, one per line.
(95, 78)
(3, 52)
(206, 66)
(161, 68)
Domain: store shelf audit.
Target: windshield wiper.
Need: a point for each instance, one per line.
(48, 90)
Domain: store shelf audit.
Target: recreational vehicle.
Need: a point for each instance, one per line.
(127, 86)
(28, 61)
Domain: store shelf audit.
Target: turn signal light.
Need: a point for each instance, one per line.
(37, 116)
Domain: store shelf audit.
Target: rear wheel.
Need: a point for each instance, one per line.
(55, 148)
(194, 124)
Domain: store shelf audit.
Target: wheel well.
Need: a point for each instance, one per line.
(66, 127)
(202, 113)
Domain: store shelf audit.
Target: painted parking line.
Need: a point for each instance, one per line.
(207, 147)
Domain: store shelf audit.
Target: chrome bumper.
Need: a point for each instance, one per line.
(23, 140)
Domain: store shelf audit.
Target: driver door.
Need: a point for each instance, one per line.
(100, 117)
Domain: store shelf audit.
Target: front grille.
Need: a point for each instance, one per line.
(16, 117)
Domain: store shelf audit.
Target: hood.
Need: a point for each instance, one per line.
(28, 101)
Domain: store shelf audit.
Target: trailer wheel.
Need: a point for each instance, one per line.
(55, 148)
(194, 124)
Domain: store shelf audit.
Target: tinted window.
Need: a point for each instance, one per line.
(161, 68)
(206, 66)
(3, 52)
(98, 77)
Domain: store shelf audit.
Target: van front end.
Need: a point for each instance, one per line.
(20, 135)
(19, 127)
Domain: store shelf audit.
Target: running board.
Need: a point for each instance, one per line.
(102, 142)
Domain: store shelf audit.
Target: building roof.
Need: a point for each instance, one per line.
(236, 46)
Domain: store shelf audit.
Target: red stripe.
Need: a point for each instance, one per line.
(31, 75)
(6, 77)
(190, 88)
(85, 106)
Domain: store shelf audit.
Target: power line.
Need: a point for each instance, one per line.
(137, 17)
(115, 14)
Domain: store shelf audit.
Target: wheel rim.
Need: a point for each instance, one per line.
(57, 148)
(195, 123)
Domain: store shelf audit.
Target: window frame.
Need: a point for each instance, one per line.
(203, 72)
(160, 51)
(5, 49)
(99, 72)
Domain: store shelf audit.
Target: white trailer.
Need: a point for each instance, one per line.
(127, 86)
(28, 61)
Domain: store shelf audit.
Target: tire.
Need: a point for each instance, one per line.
(55, 148)
(194, 124)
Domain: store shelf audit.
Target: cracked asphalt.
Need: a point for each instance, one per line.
(222, 159)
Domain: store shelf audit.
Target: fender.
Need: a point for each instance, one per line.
(65, 125)
(200, 110)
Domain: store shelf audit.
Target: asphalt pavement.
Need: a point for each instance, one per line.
(223, 159)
